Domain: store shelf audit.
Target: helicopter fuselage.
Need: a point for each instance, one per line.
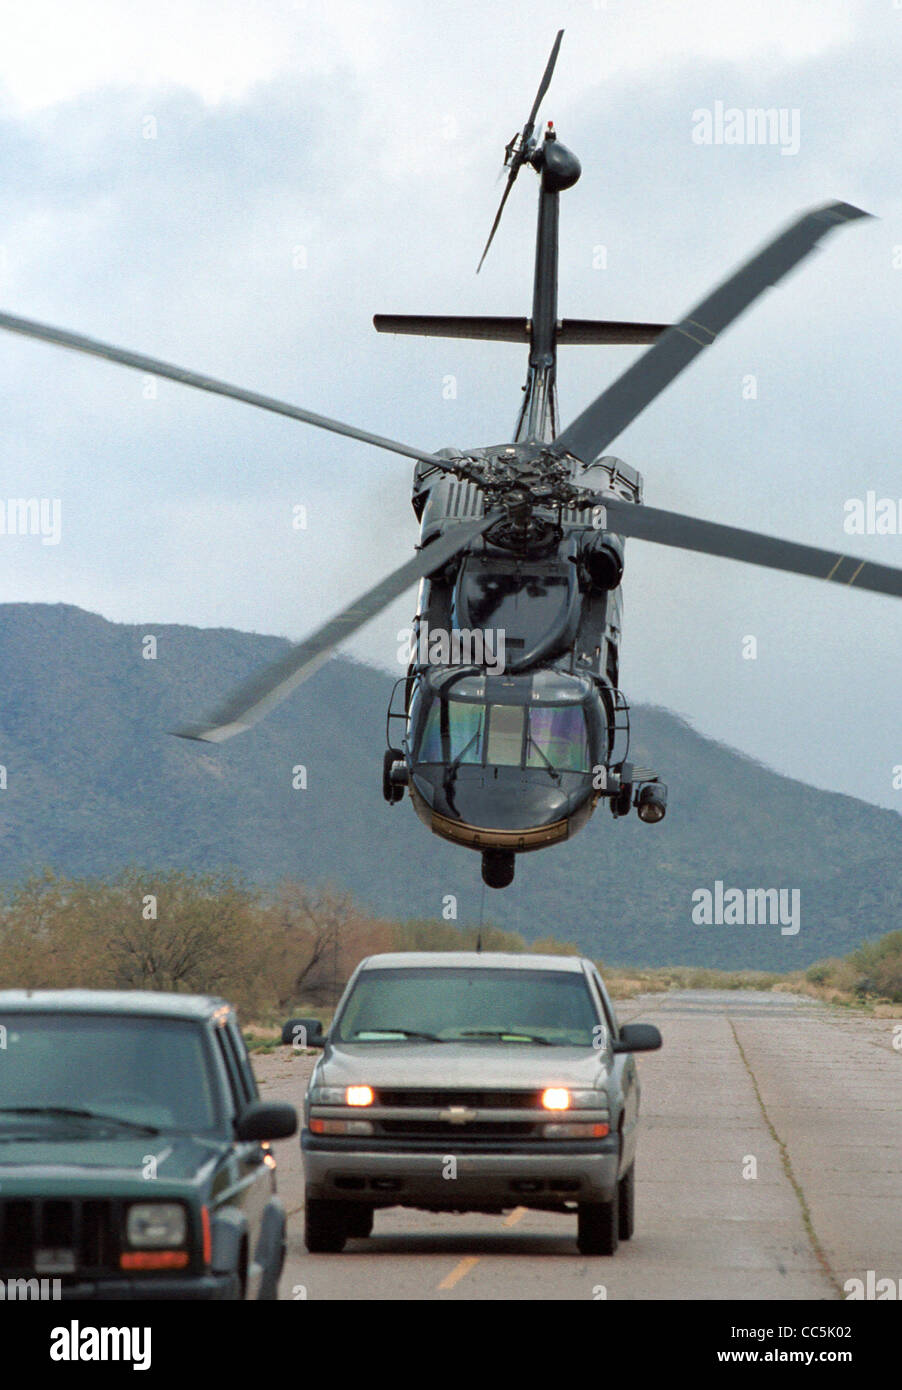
(515, 726)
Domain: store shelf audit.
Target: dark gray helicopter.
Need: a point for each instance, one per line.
(524, 542)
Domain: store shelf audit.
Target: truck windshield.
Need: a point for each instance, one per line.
(142, 1071)
(483, 1004)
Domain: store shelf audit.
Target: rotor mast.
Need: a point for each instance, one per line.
(558, 168)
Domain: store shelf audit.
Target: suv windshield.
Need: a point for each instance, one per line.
(483, 1004)
(145, 1071)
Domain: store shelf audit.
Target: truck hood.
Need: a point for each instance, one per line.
(79, 1164)
(462, 1066)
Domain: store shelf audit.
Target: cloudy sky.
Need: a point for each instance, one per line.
(239, 187)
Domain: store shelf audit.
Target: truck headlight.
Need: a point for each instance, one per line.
(327, 1095)
(588, 1100)
(155, 1225)
(341, 1095)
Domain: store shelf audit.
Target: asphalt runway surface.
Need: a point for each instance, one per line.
(769, 1167)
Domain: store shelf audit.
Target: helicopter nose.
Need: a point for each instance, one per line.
(502, 799)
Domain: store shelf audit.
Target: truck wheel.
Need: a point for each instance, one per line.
(325, 1231)
(597, 1225)
(359, 1220)
(626, 1198)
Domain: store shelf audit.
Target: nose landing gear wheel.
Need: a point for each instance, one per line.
(497, 867)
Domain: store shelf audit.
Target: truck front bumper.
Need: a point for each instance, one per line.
(546, 1175)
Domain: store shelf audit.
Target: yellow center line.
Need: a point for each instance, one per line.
(459, 1270)
(469, 1261)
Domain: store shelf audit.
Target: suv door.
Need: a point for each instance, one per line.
(250, 1181)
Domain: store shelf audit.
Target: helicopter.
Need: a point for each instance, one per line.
(508, 743)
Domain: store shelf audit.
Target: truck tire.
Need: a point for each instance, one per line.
(626, 1199)
(359, 1220)
(597, 1226)
(325, 1231)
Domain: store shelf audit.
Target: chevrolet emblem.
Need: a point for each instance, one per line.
(457, 1115)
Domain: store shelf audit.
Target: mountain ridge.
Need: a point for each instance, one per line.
(95, 783)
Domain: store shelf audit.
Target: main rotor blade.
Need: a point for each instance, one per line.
(543, 85)
(710, 538)
(60, 337)
(269, 687)
(610, 413)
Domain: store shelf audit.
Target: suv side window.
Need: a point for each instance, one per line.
(227, 1057)
(236, 1043)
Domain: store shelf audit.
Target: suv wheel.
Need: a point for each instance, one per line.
(359, 1220)
(325, 1231)
(597, 1227)
(626, 1200)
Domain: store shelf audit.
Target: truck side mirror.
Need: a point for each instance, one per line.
(303, 1032)
(637, 1037)
(263, 1119)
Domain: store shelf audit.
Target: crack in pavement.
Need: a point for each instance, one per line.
(788, 1170)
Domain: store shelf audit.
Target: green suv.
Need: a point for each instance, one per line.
(134, 1149)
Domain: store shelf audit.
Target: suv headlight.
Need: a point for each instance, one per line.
(155, 1225)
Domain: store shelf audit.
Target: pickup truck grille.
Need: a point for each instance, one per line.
(58, 1237)
(477, 1129)
(473, 1100)
(458, 1115)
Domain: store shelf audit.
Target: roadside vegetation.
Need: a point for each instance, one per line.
(291, 950)
(872, 975)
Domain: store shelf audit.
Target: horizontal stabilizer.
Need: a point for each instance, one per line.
(504, 330)
(607, 331)
(516, 330)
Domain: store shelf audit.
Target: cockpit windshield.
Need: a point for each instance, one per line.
(508, 723)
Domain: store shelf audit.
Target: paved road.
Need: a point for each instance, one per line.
(770, 1166)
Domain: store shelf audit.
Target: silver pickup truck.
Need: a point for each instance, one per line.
(467, 1081)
